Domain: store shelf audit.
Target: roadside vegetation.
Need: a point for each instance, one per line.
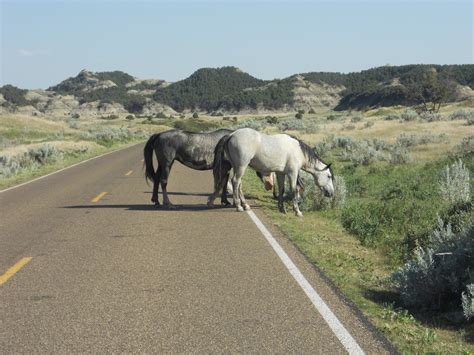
(31, 147)
(398, 237)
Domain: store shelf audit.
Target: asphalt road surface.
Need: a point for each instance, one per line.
(87, 264)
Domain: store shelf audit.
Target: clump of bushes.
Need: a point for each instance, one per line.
(309, 126)
(430, 116)
(440, 276)
(399, 155)
(369, 124)
(333, 117)
(272, 120)
(109, 117)
(409, 115)
(255, 124)
(466, 147)
(313, 198)
(412, 140)
(392, 117)
(357, 118)
(35, 157)
(109, 135)
(462, 115)
(454, 183)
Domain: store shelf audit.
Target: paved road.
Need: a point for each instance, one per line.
(117, 275)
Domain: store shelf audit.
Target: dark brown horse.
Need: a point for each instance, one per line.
(194, 150)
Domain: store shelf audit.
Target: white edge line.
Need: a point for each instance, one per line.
(336, 326)
(67, 167)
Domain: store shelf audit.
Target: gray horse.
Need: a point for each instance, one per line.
(194, 150)
(278, 153)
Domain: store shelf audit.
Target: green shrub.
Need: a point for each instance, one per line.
(409, 115)
(399, 155)
(271, 120)
(462, 115)
(454, 183)
(430, 116)
(468, 301)
(357, 118)
(130, 117)
(466, 147)
(369, 124)
(313, 198)
(309, 126)
(255, 124)
(196, 125)
(392, 117)
(195, 115)
(299, 116)
(439, 274)
(333, 117)
(109, 117)
(311, 111)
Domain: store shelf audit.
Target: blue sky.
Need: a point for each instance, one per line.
(44, 42)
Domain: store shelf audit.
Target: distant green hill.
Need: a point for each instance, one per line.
(206, 89)
(230, 89)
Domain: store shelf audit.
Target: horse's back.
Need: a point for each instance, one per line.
(265, 153)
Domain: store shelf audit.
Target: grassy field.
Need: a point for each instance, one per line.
(390, 160)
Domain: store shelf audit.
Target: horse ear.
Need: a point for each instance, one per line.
(328, 166)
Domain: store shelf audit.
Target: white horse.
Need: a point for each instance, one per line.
(278, 153)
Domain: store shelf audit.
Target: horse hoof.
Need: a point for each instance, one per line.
(210, 204)
(282, 210)
(169, 206)
(299, 214)
(225, 203)
(240, 209)
(246, 207)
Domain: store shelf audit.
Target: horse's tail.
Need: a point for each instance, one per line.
(148, 158)
(220, 163)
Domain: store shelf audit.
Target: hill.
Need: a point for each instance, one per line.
(229, 89)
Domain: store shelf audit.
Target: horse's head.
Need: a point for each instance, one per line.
(324, 178)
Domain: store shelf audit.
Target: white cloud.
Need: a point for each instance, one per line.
(30, 52)
(25, 52)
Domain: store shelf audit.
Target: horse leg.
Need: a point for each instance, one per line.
(274, 188)
(293, 177)
(281, 190)
(164, 182)
(236, 185)
(224, 200)
(156, 186)
(242, 198)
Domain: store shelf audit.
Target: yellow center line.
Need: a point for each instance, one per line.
(14, 269)
(99, 196)
(129, 173)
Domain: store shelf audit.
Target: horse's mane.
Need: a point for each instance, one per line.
(311, 156)
(309, 152)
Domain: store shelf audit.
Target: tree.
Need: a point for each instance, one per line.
(431, 90)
